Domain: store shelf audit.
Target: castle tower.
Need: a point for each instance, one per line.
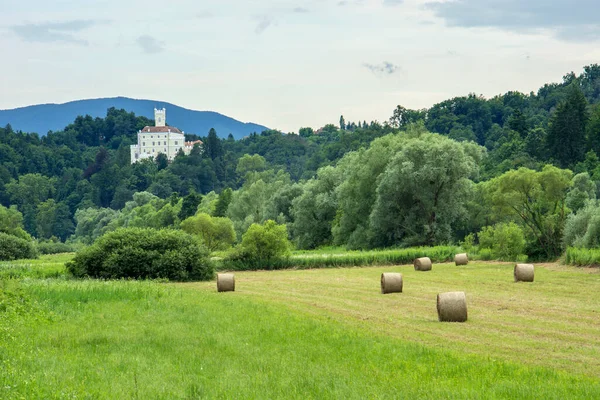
(160, 117)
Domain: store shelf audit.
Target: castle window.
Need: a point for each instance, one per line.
(152, 143)
(165, 143)
(143, 143)
(176, 143)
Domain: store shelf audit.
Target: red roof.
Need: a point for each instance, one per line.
(161, 129)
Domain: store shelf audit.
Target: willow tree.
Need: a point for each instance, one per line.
(423, 191)
(538, 199)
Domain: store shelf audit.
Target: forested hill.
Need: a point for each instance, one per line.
(42, 118)
(319, 180)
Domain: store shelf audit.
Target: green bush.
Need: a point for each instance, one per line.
(55, 247)
(15, 248)
(144, 253)
(505, 241)
(263, 247)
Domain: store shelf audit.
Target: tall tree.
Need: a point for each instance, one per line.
(566, 135)
(212, 146)
(593, 130)
(189, 205)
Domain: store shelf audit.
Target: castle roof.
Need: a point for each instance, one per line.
(160, 129)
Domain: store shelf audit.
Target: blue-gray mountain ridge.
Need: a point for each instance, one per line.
(42, 118)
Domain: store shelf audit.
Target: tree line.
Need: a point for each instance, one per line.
(422, 177)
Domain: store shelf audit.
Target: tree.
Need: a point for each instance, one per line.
(402, 117)
(518, 123)
(315, 210)
(538, 200)
(216, 233)
(189, 205)
(582, 190)
(593, 130)
(162, 161)
(342, 123)
(423, 191)
(306, 132)
(247, 164)
(223, 202)
(567, 132)
(212, 146)
(27, 193)
(357, 193)
(11, 222)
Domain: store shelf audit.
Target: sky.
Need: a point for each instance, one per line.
(290, 64)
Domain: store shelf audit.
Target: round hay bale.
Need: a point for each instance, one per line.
(523, 273)
(461, 259)
(391, 282)
(225, 283)
(452, 307)
(423, 264)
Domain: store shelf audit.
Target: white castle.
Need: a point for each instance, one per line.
(160, 138)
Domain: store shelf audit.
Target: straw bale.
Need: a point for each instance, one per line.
(391, 282)
(523, 273)
(461, 259)
(423, 264)
(452, 307)
(225, 282)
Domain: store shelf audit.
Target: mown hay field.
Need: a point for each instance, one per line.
(302, 334)
(552, 322)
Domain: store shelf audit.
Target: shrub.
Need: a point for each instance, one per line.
(263, 246)
(143, 253)
(216, 233)
(14, 248)
(468, 244)
(505, 241)
(54, 247)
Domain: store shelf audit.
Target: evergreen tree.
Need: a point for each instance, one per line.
(223, 203)
(189, 205)
(518, 122)
(593, 130)
(566, 134)
(212, 146)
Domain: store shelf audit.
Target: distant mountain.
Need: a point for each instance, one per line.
(42, 118)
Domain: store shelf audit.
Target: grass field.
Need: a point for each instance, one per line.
(301, 334)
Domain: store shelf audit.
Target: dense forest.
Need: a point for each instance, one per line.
(462, 170)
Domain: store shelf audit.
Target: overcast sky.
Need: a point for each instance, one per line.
(288, 64)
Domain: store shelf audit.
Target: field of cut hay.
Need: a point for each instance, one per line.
(551, 322)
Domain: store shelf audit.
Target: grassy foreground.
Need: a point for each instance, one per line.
(303, 334)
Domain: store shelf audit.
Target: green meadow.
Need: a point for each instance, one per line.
(300, 334)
